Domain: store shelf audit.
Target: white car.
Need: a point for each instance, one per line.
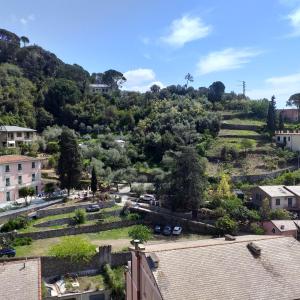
(177, 230)
(147, 197)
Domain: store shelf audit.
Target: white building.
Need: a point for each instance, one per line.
(99, 88)
(288, 139)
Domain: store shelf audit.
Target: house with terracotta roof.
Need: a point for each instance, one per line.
(15, 136)
(244, 267)
(20, 279)
(18, 171)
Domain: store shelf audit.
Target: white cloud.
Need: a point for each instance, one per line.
(185, 30)
(281, 86)
(26, 20)
(294, 19)
(140, 80)
(226, 59)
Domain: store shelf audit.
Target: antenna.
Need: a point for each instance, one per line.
(243, 85)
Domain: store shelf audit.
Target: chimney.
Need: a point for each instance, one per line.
(229, 237)
(254, 249)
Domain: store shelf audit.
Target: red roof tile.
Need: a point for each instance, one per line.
(5, 159)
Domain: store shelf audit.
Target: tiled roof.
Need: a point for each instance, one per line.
(15, 128)
(284, 225)
(20, 280)
(218, 269)
(6, 159)
(276, 190)
(294, 189)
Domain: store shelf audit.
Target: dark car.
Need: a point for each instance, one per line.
(157, 229)
(167, 230)
(9, 252)
(93, 208)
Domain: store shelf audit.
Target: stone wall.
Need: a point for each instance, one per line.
(68, 209)
(240, 127)
(45, 234)
(89, 216)
(153, 217)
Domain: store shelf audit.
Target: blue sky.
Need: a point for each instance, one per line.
(154, 41)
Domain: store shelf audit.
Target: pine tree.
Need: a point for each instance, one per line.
(69, 164)
(271, 118)
(94, 181)
(281, 122)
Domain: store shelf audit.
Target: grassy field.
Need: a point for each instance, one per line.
(118, 238)
(244, 122)
(241, 133)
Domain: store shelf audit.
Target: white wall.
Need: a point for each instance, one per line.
(283, 202)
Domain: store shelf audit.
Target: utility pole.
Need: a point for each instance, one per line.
(243, 85)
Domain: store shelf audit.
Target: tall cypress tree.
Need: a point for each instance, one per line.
(69, 164)
(281, 122)
(94, 181)
(271, 118)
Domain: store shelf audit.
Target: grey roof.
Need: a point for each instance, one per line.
(15, 128)
(276, 191)
(294, 189)
(218, 269)
(20, 279)
(284, 225)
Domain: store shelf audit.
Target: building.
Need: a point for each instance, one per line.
(245, 267)
(288, 139)
(20, 279)
(15, 136)
(290, 114)
(17, 171)
(278, 195)
(282, 227)
(99, 88)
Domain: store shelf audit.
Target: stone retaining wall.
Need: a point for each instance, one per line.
(68, 209)
(45, 234)
(237, 136)
(89, 216)
(225, 125)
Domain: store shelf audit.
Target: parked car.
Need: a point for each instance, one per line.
(167, 230)
(147, 198)
(9, 252)
(93, 208)
(177, 230)
(157, 229)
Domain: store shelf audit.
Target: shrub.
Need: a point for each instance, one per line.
(279, 214)
(80, 216)
(22, 241)
(226, 225)
(256, 229)
(74, 248)
(140, 232)
(229, 153)
(15, 224)
(219, 212)
(133, 217)
(115, 281)
(52, 147)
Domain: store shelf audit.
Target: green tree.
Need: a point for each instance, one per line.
(24, 40)
(79, 216)
(189, 78)
(69, 163)
(271, 118)
(280, 214)
(188, 181)
(76, 249)
(224, 188)
(115, 281)
(140, 232)
(49, 188)
(226, 225)
(216, 91)
(294, 100)
(265, 209)
(94, 182)
(26, 192)
(281, 122)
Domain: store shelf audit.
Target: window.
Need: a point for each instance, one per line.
(290, 202)
(19, 134)
(7, 182)
(19, 167)
(27, 135)
(19, 179)
(273, 230)
(7, 196)
(289, 138)
(33, 165)
(33, 177)
(277, 201)
(7, 168)
(278, 139)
